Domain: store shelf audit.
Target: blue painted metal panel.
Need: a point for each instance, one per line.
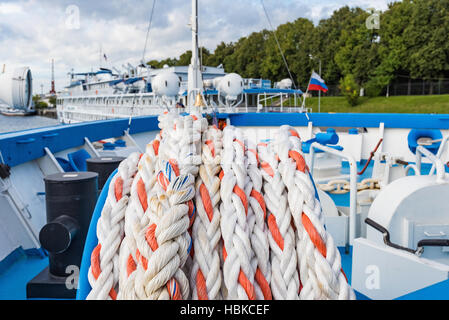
(271, 90)
(417, 121)
(24, 146)
(91, 242)
(266, 83)
(133, 80)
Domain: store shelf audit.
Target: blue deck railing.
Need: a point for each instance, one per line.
(23, 146)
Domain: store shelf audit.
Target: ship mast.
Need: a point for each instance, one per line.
(195, 81)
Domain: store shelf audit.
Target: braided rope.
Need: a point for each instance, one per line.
(281, 236)
(258, 227)
(263, 204)
(104, 272)
(319, 261)
(135, 219)
(238, 273)
(206, 275)
(163, 242)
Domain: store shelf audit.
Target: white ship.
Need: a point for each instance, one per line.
(141, 90)
(381, 182)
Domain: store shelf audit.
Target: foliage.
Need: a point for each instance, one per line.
(39, 104)
(350, 89)
(412, 42)
(52, 100)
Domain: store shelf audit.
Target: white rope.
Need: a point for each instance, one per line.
(320, 262)
(265, 209)
(136, 219)
(206, 275)
(145, 178)
(163, 242)
(110, 232)
(258, 228)
(238, 273)
(284, 275)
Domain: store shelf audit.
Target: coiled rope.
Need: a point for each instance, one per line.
(206, 276)
(319, 261)
(136, 219)
(259, 231)
(281, 236)
(238, 272)
(258, 227)
(104, 270)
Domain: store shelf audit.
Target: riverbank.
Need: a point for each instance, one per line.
(438, 104)
(47, 112)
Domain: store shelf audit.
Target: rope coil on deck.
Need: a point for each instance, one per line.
(258, 233)
(104, 270)
(206, 276)
(238, 272)
(281, 235)
(319, 261)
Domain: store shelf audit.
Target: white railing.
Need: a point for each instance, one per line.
(352, 183)
(440, 153)
(437, 163)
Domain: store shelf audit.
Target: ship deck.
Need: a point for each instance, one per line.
(21, 267)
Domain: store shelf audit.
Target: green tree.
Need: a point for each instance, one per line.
(427, 38)
(52, 101)
(297, 41)
(332, 34)
(350, 89)
(219, 55)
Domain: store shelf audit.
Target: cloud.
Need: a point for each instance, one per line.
(32, 32)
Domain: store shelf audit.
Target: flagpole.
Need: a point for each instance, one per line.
(307, 92)
(319, 93)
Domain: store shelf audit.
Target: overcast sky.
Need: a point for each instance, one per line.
(32, 32)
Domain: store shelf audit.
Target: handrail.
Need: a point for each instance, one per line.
(440, 152)
(421, 244)
(352, 183)
(420, 150)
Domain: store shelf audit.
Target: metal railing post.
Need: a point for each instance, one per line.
(352, 183)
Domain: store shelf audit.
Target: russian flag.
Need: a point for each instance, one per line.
(317, 84)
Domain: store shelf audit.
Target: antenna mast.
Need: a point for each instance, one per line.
(52, 91)
(195, 81)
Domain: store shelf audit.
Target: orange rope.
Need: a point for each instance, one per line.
(243, 280)
(130, 265)
(299, 159)
(263, 284)
(201, 286)
(210, 144)
(118, 188)
(274, 229)
(256, 195)
(156, 145)
(238, 191)
(96, 270)
(267, 168)
(142, 194)
(371, 157)
(207, 203)
(314, 235)
(151, 237)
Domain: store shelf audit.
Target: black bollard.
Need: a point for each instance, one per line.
(104, 166)
(70, 201)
